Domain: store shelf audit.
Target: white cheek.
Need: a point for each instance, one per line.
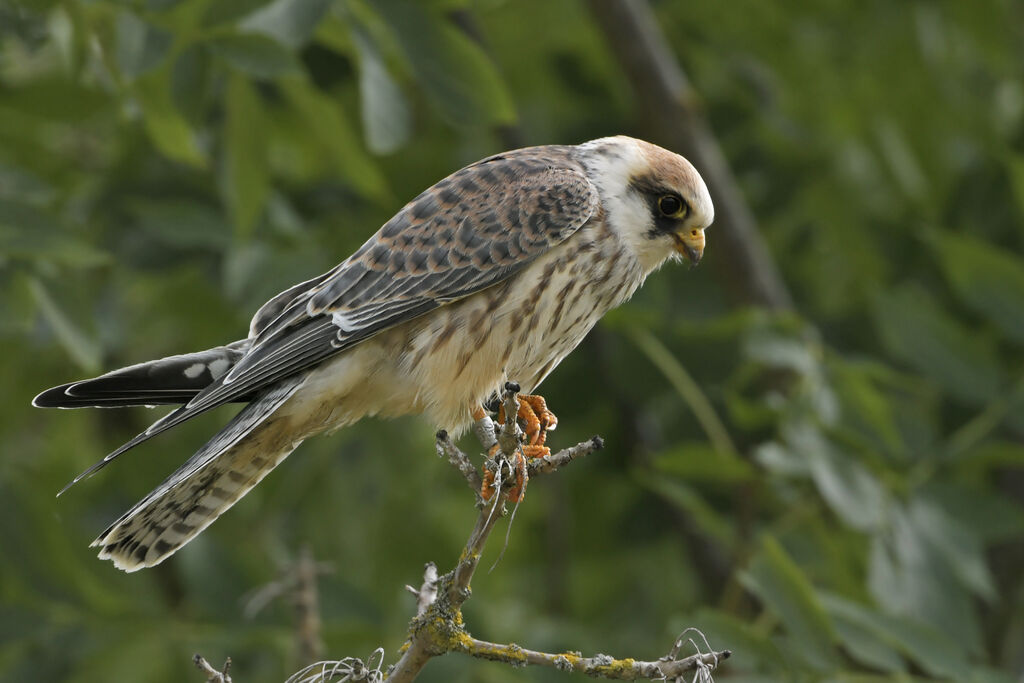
(629, 215)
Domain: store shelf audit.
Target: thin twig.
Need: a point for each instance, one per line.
(343, 670)
(556, 461)
(460, 461)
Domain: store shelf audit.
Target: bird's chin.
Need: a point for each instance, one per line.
(685, 251)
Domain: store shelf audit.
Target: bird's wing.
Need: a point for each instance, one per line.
(468, 232)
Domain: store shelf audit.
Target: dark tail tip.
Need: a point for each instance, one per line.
(55, 397)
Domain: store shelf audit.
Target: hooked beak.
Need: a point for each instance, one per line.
(690, 243)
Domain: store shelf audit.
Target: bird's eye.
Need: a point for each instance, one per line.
(670, 205)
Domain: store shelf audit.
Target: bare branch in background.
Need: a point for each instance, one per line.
(212, 675)
(672, 117)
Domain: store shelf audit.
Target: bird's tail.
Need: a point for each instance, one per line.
(216, 477)
(175, 379)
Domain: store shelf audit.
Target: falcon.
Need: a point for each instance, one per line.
(494, 274)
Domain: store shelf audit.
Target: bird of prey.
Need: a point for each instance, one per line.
(495, 273)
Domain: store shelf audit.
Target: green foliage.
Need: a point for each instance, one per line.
(834, 494)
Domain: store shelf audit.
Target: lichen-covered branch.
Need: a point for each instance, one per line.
(598, 666)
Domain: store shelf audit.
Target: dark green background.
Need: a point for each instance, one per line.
(851, 511)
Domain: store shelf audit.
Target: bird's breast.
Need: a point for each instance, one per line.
(517, 330)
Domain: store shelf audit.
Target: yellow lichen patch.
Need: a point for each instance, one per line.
(465, 642)
(574, 659)
(616, 667)
(511, 653)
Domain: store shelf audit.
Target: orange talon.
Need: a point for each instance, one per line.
(537, 419)
(516, 493)
(487, 489)
(536, 451)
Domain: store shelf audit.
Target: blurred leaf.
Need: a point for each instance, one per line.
(957, 545)
(780, 584)
(242, 266)
(246, 178)
(779, 459)
(140, 46)
(28, 233)
(255, 54)
(191, 81)
(698, 461)
(289, 22)
(1015, 166)
(689, 499)
(911, 578)
(870, 648)
(166, 127)
(327, 124)
(852, 492)
(230, 11)
(47, 98)
(82, 349)
(932, 650)
(386, 116)
(181, 224)
(455, 73)
(866, 406)
(990, 280)
(915, 329)
(688, 390)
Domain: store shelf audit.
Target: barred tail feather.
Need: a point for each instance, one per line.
(202, 489)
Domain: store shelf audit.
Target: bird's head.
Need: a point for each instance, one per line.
(654, 198)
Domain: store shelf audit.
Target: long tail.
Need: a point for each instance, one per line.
(212, 480)
(175, 379)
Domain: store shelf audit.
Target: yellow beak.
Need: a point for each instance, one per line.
(690, 243)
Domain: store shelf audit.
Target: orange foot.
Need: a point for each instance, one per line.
(517, 492)
(537, 419)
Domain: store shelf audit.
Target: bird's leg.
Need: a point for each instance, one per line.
(536, 420)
